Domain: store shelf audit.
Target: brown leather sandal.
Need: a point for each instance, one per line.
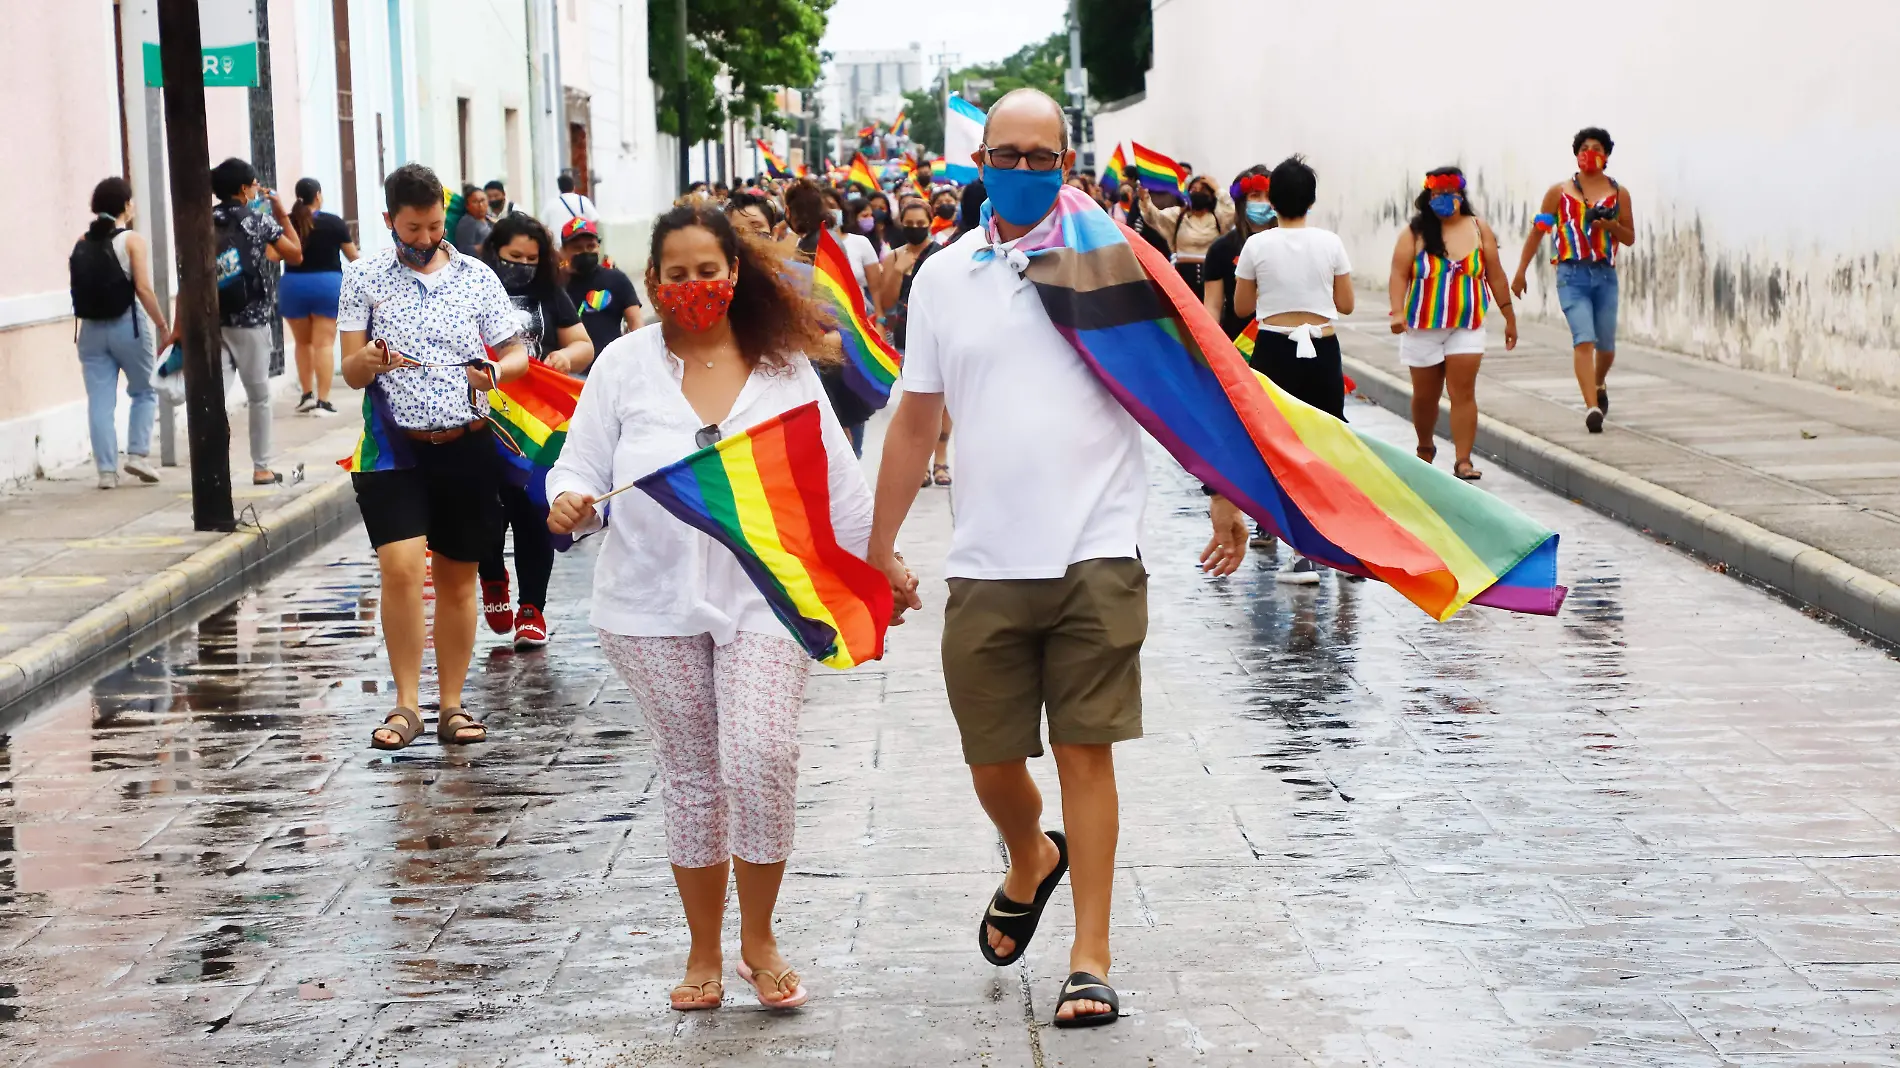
(696, 997)
(451, 722)
(1464, 469)
(404, 723)
(785, 983)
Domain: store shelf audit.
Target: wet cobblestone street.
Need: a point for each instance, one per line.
(1662, 828)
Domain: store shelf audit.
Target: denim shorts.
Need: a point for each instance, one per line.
(1587, 293)
(306, 293)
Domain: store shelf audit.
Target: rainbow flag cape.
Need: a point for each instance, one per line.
(530, 416)
(380, 448)
(860, 174)
(766, 495)
(1341, 498)
(1156, 171)
(871, 365)
(774, 166)
(1114, 173)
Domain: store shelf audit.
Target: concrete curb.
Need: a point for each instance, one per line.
(208, 577)
(1809, 575)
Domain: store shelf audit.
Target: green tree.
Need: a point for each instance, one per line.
(1037, 66)
(1118, 44)
(760, 45)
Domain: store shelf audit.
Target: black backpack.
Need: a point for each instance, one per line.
(101, 288)
(240, 276)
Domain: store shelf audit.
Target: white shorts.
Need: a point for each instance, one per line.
(1428, 348)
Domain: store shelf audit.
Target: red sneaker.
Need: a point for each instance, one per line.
(531, 628)
(497, 608)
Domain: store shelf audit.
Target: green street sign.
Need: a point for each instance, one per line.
(230, 65)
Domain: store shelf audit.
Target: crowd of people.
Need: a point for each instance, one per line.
(1046, 611)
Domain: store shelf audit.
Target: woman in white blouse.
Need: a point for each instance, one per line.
(719, 678)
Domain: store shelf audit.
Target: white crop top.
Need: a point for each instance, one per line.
(1292, 270)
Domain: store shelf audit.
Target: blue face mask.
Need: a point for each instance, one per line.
(1445, 205)
(1022, 197)
(1259, 212)
(417, 256)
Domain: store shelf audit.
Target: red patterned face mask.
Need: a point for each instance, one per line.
(694, 305)
(1590, 161)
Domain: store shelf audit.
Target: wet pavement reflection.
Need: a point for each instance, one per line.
(1657, 830)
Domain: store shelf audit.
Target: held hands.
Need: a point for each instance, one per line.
(903, 585)
(569, 512)
(1228, 547)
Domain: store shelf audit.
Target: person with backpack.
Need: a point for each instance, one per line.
(111, 281)
(568, 205)
(247, 239)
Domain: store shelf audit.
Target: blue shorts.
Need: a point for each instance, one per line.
(306, 293)
(1587, 294)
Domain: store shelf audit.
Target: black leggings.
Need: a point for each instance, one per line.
(534, 552)
(1319, 381)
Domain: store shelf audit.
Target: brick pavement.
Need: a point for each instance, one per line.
(1657, 830)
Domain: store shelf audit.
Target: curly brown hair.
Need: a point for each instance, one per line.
(772, 314)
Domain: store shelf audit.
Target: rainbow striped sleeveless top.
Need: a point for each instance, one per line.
(1446, 293)
(1571, 240)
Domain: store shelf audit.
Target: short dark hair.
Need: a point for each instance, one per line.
(229, 178)
(1292, 187)
(1593, 133)
(565, 181)
(411, 186)
(494, 185)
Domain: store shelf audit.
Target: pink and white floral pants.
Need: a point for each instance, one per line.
(724, 721)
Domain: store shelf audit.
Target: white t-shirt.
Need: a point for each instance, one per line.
(857, 249)
(1049, 468)
(564, 207)
(1292, 270)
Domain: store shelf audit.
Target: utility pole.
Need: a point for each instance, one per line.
(1077, 77)
(686, 108)
(181, 50)
(264, 161)
(345, 111)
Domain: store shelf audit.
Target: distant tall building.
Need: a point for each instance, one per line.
(870, 86)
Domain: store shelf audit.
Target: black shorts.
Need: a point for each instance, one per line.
(452, 496)
(1319, 381)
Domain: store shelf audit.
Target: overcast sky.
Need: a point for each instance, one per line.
(978, 31)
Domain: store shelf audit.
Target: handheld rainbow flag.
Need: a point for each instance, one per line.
(802, 171)
(1156, 171)
(901, 124)
(1344, 499)
(860, 174)
(774, 165)
(871, 365)
(915, 177)
(1114, 173)
(766, 495)
(530, 416)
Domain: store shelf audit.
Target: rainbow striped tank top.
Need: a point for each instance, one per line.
(1446, 293)
(1571, 240)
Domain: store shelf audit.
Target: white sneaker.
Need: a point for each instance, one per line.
(1299, 572)
(139, 467)
(306, 402)
(323, 409)
(108, 480)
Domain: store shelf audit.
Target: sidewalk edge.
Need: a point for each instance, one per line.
(219, 572)
(1807, 574)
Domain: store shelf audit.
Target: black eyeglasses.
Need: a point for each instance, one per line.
(1005, 159)
(707, 436)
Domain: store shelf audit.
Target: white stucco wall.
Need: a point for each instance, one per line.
(1757, 141)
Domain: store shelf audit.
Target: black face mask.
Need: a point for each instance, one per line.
(584, 263)
(916, 235)
(883, 217)
(515, 277)
(946, 212)
(1201, 200)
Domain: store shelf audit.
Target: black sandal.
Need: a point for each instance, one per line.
(1466, 470)
(1085, 987)
(1017, 921)
(451, 722)
(404, 723)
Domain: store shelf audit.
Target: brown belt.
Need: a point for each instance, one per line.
(444, 436)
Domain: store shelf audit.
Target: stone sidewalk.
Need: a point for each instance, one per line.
(1813, 465)
(1662, 829)
(91, 573)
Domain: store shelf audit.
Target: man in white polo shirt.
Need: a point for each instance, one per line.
(1048, 596)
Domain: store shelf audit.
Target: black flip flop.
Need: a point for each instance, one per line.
(1085, 987)
(1017, 921)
